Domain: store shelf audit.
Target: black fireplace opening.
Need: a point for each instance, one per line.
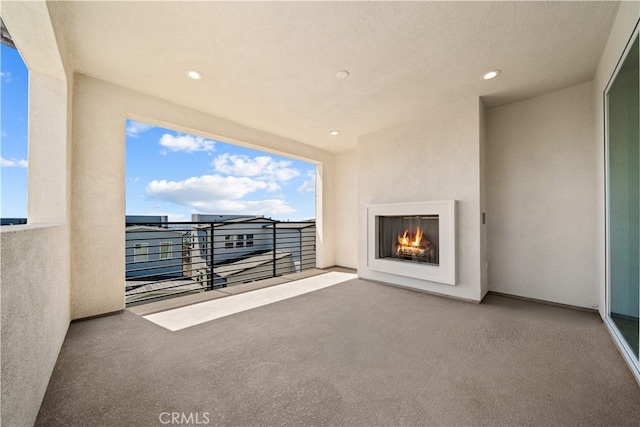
(410, 238)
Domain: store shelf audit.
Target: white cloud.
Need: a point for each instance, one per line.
(134, 129)
(309, 184)
(215, 193)
(188, 143)
(13, 163)
(272, 187)
(260, 167)
(206, 187)
(6, 77)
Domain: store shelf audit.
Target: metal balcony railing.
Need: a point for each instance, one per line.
(169, 259)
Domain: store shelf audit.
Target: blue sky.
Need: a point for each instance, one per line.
(176, 174)
(167, 172)
(14, 83)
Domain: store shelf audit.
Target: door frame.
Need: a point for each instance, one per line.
(625, 349)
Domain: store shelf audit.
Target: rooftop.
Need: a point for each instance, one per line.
(248, 263)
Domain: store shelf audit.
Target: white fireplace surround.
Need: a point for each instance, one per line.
(445, 271)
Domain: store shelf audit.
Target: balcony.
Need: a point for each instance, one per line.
(524, 156)
(353, 353)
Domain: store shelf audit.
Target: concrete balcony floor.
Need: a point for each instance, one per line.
(356, 353)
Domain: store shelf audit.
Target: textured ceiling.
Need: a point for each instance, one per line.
(272, 65)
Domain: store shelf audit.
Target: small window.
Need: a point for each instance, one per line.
(14, 86)
(165, 250)
(228, 244)
(140, 252)
(240, 241)
(249, 240)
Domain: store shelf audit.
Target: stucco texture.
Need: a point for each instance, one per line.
(35, 315)
(346, 213)
(435, 157)
(542, 198)
(98, 189)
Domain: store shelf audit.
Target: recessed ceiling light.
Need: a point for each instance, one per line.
(342, 74)
(491, 74)
(192, 74)
(334, 132)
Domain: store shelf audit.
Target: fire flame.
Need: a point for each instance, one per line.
(412, 245)
(405, 239)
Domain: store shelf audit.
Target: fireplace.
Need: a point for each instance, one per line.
(410, 238)
(413, 240)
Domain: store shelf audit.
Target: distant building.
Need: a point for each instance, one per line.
(153, 252)
(239, 242)
(253, 268)
(220, 218)
(165, 259)
(233, 238)
(299, 239)
(154, 220)
(13, 221)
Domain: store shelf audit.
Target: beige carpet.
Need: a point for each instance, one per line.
(354, 354)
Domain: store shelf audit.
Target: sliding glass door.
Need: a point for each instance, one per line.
(623, 200)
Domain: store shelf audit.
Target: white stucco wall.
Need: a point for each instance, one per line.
(626, 19)
(542, 198)
(35, 264)
(34, 277)
(98, 193)
(435, 157)
(47, 164)
(346, 200)
(97, 203)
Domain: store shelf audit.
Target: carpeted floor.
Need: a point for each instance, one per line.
(354, 354)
